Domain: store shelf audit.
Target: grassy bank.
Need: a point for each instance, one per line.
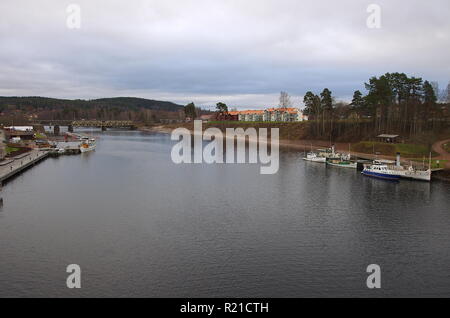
(435, 164)
(344, 132)
(288, 131)
(10, 149)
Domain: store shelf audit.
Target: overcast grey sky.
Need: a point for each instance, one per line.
(243, 52)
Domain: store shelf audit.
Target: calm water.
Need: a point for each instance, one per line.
(139, 225)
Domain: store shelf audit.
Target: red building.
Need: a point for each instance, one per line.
(230, 116)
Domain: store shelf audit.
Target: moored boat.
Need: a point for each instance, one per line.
(343, 164)
(329, 153)
(423, 175)
(381, 172)
(313, 157)
(410, 171)
(87, 145)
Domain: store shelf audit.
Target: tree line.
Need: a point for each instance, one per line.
(394, 103)
(20, 109)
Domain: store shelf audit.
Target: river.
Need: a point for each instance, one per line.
(139, 225)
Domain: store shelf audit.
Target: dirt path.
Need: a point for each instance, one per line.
(438, 147)
(443, 155)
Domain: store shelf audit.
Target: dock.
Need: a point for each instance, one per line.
(16, 165)
(70, 147)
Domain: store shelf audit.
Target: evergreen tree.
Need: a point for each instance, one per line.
(222, 108)
(189, 111)
(429, 95)
(326, 100)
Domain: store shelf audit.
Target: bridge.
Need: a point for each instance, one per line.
(103, 124)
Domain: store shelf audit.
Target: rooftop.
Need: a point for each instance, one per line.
(387, 136)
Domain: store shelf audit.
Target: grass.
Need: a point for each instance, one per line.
(434, 163)
(11, 149)
(405, 150)
(40, 136)
(412, 150)
(447, 147)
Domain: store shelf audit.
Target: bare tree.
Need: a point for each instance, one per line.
(285, 100)
(447, 94)
(435, 86)
(443, 95)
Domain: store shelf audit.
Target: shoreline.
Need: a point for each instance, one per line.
(19, 164)
(306, 145)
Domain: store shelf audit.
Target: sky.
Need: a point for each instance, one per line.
(241, 52)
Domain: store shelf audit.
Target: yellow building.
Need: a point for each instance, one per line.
(273, 115)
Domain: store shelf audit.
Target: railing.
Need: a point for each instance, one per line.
(106, 123)
(89, 123)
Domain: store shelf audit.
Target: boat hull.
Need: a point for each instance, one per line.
(319, 160)
(418, 175)
(90, 148)
(412, 174)
(379, 175)
(352, 165)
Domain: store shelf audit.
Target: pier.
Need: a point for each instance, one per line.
(16, 165)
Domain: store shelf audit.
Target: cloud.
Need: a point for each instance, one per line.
(241, 51)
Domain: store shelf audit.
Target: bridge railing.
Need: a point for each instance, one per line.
(99, 123)
(87, 123)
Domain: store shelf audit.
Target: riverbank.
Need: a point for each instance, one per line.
(14, 166)
(303, 144)
(307, 145)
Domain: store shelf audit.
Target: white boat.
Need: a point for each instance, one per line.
(381, 172)
(313, 157)
(344, 161)
(410, 172)
(88, 144)
(329, 153)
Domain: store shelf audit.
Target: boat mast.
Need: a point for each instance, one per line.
(429, 166)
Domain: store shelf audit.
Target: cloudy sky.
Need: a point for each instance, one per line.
(243, 52)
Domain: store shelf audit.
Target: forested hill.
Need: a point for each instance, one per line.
(28, 109)
(139, 102)
(122, 103)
